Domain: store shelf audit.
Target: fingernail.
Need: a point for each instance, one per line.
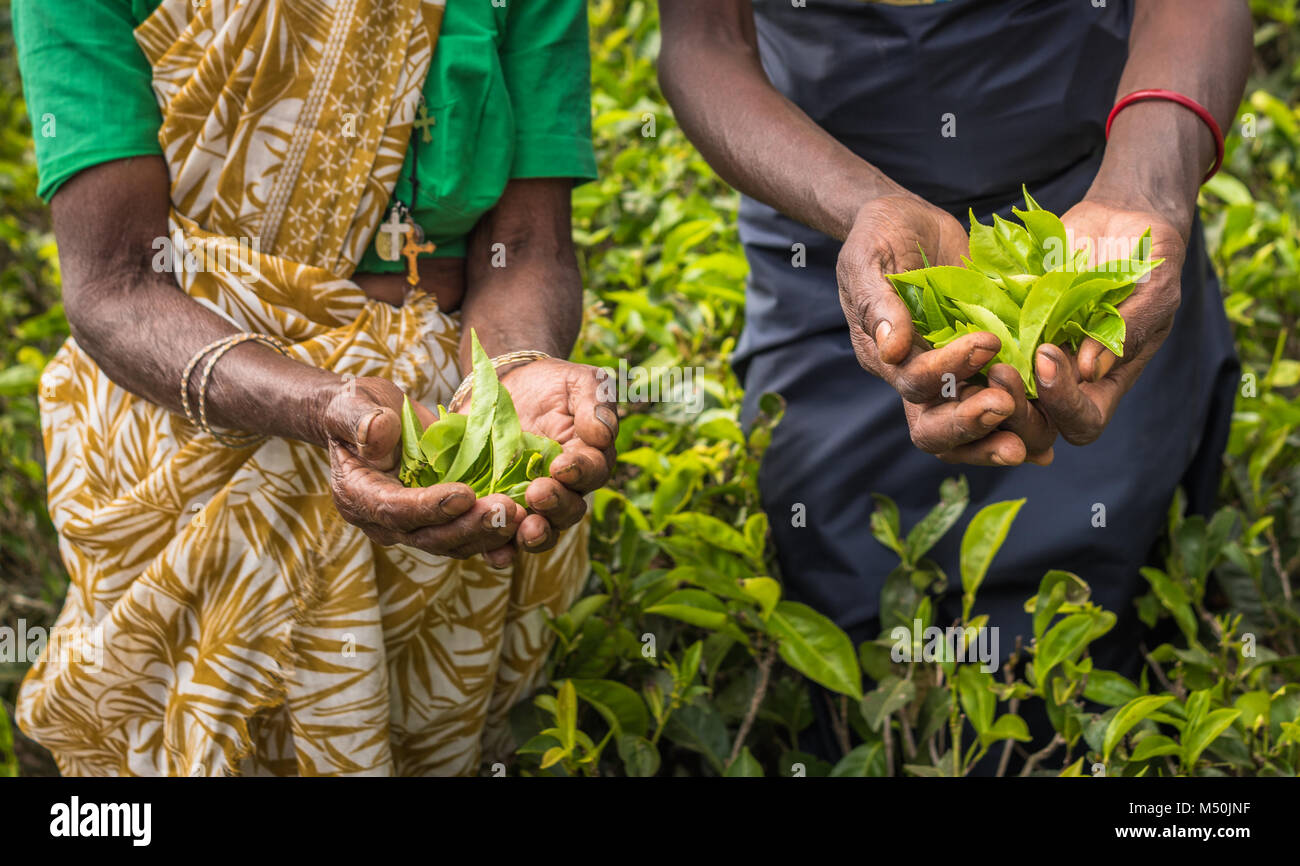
(550, 501)
(992, 418)
(606, 416)
(997, 459)
(883, 330)
(457, 503)
(1103, 366)
(568, 473)
(363, 428)
(979, 356)
(1046, 368)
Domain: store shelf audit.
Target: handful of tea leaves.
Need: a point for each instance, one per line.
(1023, 284)
(487, 449)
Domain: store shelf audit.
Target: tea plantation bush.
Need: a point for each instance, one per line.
(682, 658)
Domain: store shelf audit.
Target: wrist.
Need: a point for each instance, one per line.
(314, 396)
(503, 365)
(1156, 158)
(868, 191)
(255, 389)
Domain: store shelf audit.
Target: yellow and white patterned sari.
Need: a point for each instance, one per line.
(237, 624)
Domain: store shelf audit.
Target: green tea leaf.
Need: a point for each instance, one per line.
(620, 706)
(961, 285)
(884, 524)
(953, 498)
(1048, 232)
(1018, 243)
(1107, 327)
(1110, 688)
(745, 766)
(1024, 285)
(694, 606)
(934, 316)
(440, 441)
(1129, 715)
(866, 760)
(507, 435)
(980, 543)
(1017, 286)
(639, 756)
(1030, 204)
(892, 694)
(411, 433)
(986, 253)
(547, 448)
(1007, 727)
(1046, 296)
(1153, 746)
(977, 699)
(1062, 641)
(1205, 732)
(1009, 351)
(482, 410)
(813, 645)
(764, 590)
(1077, 298)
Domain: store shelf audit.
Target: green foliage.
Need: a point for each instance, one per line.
(1024, 285)
(487, 449)
(676, 538)
(31, 329)
(683, 658)
(8, 760)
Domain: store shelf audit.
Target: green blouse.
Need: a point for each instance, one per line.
(509, 90)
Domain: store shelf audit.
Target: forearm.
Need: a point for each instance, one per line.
(527, 292)
(756, 139)
(142, 330)
(533, 305)
(1159, 151)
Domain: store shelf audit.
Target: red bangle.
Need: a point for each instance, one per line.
(1186, 102)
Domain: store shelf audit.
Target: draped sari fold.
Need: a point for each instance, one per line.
(237, 624)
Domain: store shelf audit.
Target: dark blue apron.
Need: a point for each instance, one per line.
(1029, 83)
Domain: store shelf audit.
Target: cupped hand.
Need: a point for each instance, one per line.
(1080, 394)
(360, 422)
(568, 403)
(956, 420)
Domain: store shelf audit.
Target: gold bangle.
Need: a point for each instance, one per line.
(239, 440)
(497, 363)
(189, 370)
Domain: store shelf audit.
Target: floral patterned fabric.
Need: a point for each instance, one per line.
(237, 624)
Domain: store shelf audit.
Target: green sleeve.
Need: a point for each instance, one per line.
(546, 59)
(87, 85)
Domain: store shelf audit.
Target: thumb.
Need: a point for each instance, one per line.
(869, 300)
(371, 431)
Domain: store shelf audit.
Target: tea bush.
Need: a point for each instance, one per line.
(683, 658)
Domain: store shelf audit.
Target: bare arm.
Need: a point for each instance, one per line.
(527, 294)
(142, 330)
(757, 140)
(765, 146)
(1158, 151)
(1156, 157)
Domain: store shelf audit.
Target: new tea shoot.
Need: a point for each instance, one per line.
(1024, 285)
(486, 449)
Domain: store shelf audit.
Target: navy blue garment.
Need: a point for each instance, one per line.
(1030, 83)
